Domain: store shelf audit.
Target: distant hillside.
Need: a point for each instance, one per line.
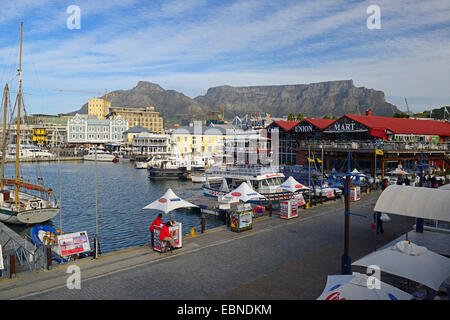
(332, 98)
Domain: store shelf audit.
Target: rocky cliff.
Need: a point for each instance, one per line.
(332, 98)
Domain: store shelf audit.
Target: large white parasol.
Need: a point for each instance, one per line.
(355, 287)
(292, 185)
(244, 193)
(168, 202)
(407, 260)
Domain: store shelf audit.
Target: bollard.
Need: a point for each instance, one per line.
(192, 232)
(203, 224)
(228, 218)
(12, 264)
(270, 209)
(48, 252)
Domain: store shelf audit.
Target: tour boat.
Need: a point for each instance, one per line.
(166, 167)
(102, 155)
(265, 180)
(38, 203)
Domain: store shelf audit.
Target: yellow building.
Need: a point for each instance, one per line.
(97, 107)
(39, 135)
(198, 140)
(144, 117)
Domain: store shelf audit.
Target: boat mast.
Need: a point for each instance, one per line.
(4, 136)
(19, 100)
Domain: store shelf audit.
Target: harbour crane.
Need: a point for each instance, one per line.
(408, 111)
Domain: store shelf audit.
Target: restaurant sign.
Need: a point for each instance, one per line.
(345, 126)
(303, 128)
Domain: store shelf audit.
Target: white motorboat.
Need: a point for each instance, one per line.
(265, 180)
(197, 178)
(28, 151)
(102, 155)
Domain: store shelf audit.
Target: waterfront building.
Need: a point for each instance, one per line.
(144, 117)
(148, 143)
(398, 141)
(90, 130)
(198, 139)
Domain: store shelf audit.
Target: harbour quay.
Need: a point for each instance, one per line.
(276, 259)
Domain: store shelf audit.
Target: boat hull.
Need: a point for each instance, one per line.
(164, 173)
(99, 158)
(32, 216)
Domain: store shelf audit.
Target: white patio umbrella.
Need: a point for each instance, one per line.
(292, 185)
(355, 287)
(168, 202)
(244, 193)
(398, 171)
(410, 261)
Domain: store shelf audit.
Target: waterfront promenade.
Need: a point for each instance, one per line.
(277, 259)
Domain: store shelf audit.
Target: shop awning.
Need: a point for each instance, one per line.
(418, 202)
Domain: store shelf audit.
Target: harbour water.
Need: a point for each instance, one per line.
(122, 193)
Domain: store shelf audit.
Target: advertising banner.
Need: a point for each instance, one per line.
(73, 243)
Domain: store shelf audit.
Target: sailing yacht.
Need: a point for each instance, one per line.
(22, 202)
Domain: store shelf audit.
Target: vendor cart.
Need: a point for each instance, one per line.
(242, 218)
(289, 209)
(175, 231)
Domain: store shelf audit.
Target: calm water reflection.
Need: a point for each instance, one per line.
(122, 192)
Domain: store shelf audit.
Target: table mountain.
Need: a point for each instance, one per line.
(332, 98)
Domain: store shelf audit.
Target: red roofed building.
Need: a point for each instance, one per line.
(367, 127)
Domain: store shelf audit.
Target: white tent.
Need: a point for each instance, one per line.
(398, 171)
(419, 202)
(168, 202)
(355, 287)
(412, 262)
(244, 193)
(292, 185)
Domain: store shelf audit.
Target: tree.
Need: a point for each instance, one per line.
(291, 117)
(326, 117)
(300, 117)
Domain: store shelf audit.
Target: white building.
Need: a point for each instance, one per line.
(151, 143)
(90, 130)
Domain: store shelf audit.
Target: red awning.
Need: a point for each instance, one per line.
(380, 133)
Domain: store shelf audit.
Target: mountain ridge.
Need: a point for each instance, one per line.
(331, 98)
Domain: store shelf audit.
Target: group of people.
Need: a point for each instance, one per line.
(164, 235)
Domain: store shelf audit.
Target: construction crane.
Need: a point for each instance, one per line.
(408, 111)
(90, 92)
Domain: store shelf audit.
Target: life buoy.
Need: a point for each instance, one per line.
(34, 204)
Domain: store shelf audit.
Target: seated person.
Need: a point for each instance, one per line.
(165, 234)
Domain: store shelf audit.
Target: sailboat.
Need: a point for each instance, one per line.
(22, 202)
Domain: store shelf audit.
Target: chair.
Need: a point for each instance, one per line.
(165, 245)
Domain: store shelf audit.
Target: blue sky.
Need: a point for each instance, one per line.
(192, 45)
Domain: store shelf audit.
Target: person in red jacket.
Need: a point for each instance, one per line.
(157, 222)
(165, 234)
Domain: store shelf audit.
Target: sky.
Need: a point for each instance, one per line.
(192, 45)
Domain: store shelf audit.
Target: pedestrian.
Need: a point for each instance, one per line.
(378, 221)
(407, 181)
(165, 234)
(384, 184)
(156, 222)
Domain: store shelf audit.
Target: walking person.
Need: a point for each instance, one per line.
(378, 221)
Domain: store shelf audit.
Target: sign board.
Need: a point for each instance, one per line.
(303, 128)
(1, 258)
(73, 243)
(245, 220)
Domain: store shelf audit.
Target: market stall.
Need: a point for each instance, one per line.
(176, 233)
(289, 209)
(242, 218)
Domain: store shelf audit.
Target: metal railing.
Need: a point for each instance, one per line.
(242, 170)
(30, 257)
(371, 146)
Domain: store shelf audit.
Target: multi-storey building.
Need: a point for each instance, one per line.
(97, 107)
(145, 117)
(198, 139)
(90, 130)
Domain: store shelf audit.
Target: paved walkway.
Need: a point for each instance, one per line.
(277, 259)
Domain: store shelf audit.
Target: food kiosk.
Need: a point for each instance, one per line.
(175, 231)
(242, 218)
(289, 209)
(355, 193)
